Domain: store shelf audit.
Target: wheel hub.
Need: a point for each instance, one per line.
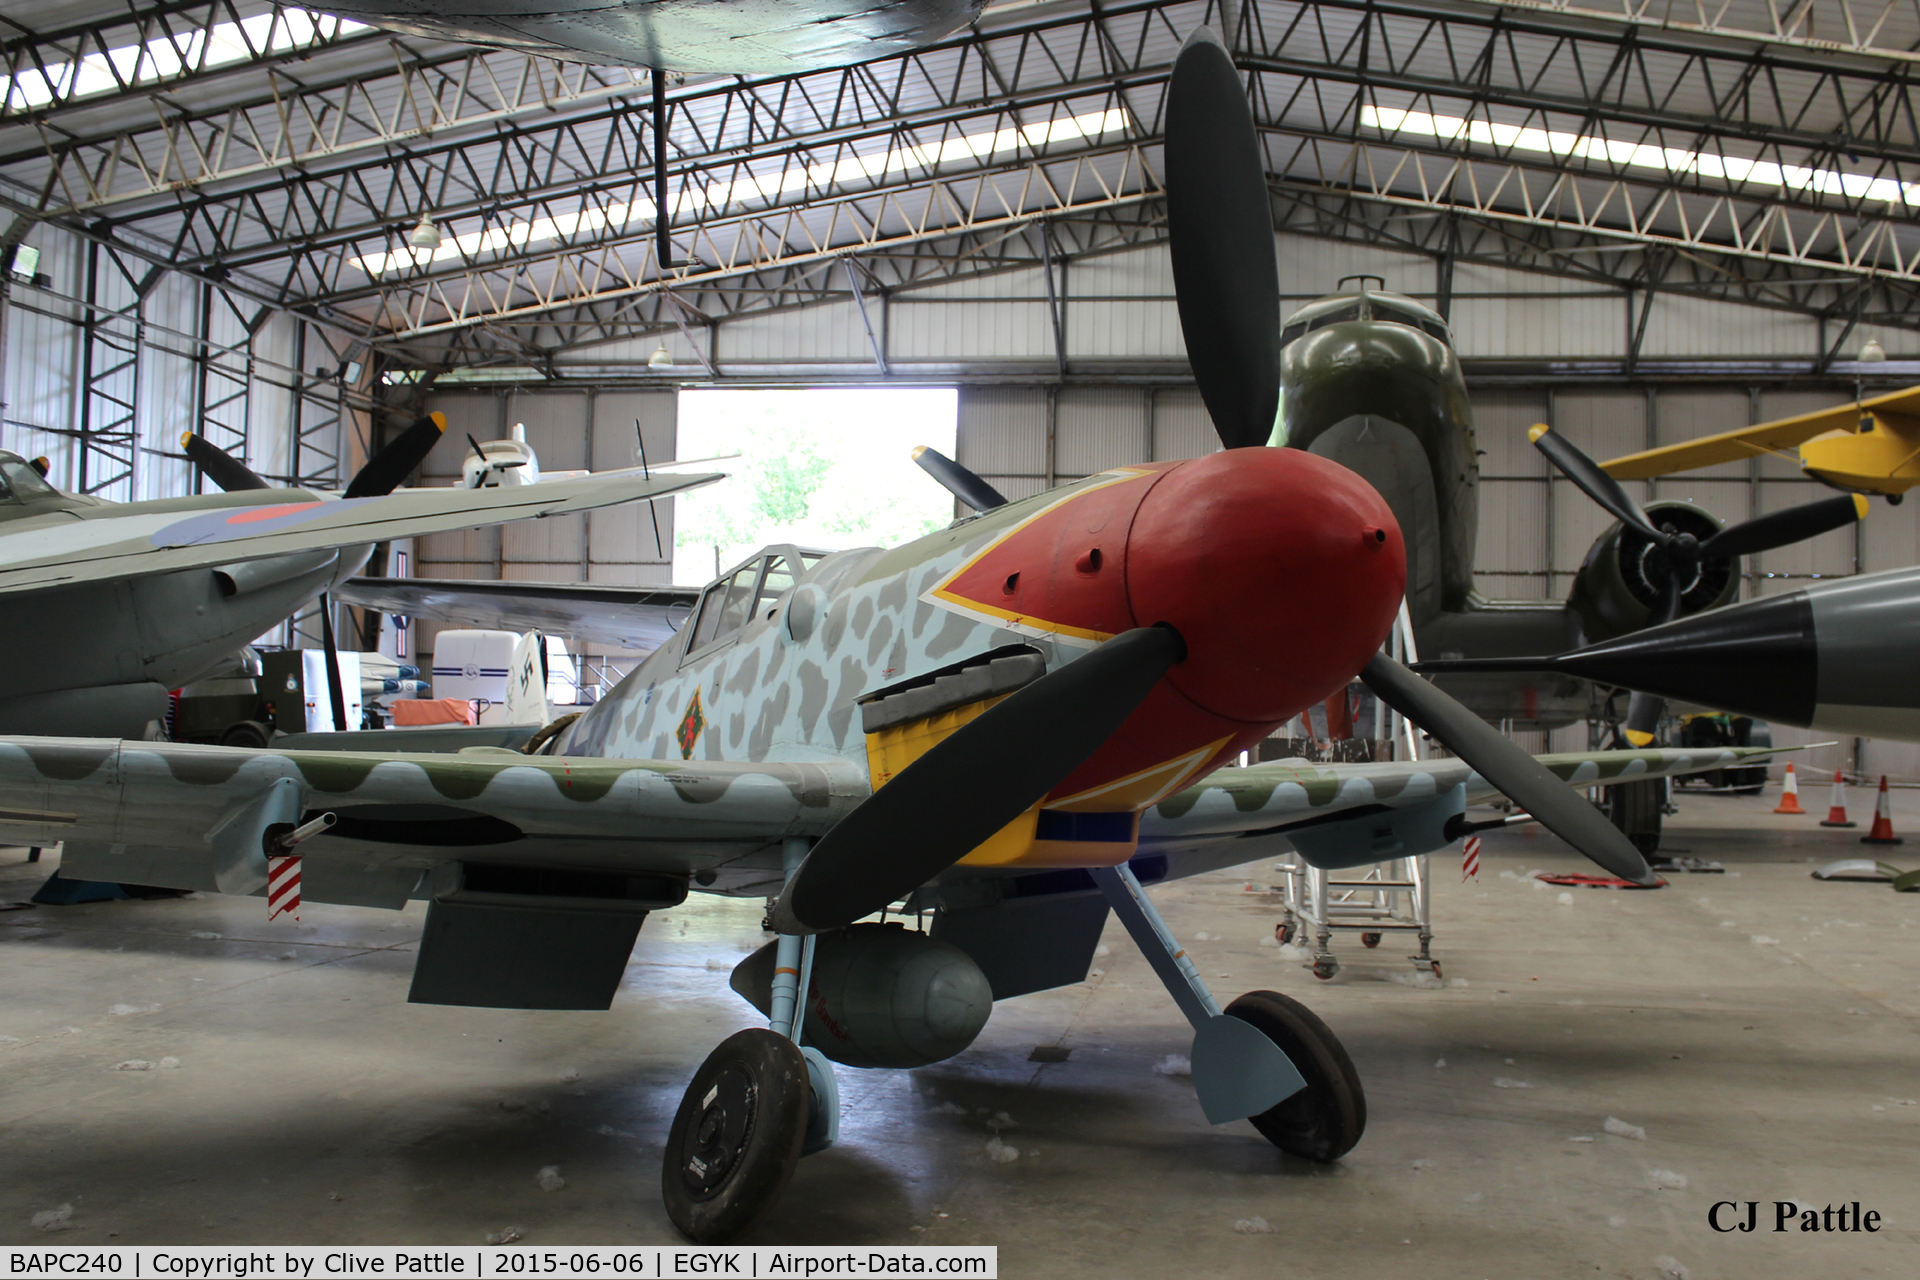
(724, 1130)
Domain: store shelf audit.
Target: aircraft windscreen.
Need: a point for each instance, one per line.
(1339, 316)
(1432, 328)
(18, 480)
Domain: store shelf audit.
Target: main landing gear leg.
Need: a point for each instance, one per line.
(1265, 1058)
(758, 1103)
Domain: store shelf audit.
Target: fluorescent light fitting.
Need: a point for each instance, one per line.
(1705, 164)
(697, 202)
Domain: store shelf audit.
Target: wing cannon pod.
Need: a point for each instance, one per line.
(881, 996)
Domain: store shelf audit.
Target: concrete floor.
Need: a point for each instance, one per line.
(1759, 1025)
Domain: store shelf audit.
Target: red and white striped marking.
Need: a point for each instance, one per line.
(283, 887)
(1470, 859)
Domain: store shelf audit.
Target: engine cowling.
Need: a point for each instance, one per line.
(1623, 579)
(881, 995)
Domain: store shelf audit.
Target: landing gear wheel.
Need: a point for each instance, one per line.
(737, 1136)
(1324, 1120)
(1283, 932)
(247, 733)
(1325, 967)
(1369, 939)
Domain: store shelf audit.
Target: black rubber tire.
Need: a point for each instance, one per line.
(727, 1160)
(247, 734)
(1324, 1120)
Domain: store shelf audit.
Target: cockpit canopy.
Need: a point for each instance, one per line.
(20, 483)
(747, 592)
(1365, 304)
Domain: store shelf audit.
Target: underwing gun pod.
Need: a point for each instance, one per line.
(1011, 725)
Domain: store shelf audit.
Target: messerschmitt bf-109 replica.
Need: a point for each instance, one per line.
(1010, 726)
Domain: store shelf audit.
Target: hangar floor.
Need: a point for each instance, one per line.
(1759, 1025)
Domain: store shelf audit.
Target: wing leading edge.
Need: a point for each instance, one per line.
(639, 618)
(120, 546)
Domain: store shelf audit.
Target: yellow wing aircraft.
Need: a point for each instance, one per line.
(1865, 446)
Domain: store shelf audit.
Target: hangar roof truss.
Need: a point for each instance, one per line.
(1743, 150)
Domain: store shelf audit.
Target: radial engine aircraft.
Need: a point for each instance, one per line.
(1371, 380)
(116, 603)
(1009, 725)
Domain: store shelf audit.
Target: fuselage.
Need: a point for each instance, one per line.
(726, 36)
(1371, 380)
(870, 656)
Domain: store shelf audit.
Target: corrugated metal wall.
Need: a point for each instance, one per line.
(45, 356)
(1118, 309)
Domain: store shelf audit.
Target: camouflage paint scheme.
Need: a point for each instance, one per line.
(695, 767)
(144, 811)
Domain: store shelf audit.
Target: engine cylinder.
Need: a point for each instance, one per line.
(881, 996)
(1623, 579)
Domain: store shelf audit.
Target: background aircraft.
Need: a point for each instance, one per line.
(1866, 446)
(115, 604)
(1004, 723)
(745, 36)
(1370, 379)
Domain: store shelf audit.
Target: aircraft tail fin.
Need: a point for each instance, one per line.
(527, 681)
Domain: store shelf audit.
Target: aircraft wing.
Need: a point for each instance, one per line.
(196, 536)
(168, 813)
(640, 618)
(1382, 810)
(1748, 442)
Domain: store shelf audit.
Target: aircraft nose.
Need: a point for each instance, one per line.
(1282, 570)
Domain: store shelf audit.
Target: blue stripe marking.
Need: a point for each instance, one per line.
(1092, 828)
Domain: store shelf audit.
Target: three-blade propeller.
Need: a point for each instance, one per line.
(997, 766)
(1680, 554)
(1220, 224)
(382, 474)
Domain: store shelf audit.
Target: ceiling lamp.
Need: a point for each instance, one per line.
(1872, 352)
(425, 235)
(662, 358)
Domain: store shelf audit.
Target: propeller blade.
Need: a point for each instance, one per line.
(1592, 481)
(221, 467)
(1782, 528)
(1676, 594)
(1220, 232)
(1643, 717)
(386, 469)
(1520, 777)
(987, 773)
(957, 480)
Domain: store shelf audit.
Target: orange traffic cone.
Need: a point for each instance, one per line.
(1837, 811)
(1790, 793)
(1882, 830)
